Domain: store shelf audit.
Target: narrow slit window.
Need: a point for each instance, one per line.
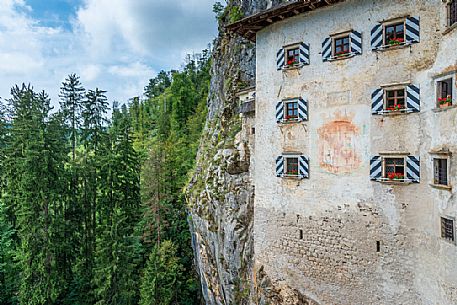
(341, 46)
(440, 171)
(395, 99)
(292, 166)
(301, 234)
(291, 110)
(452, 9)
(394, 168)
(444, 93)
(378, 246)
(447, 229)
(293, 57)
(394, 34)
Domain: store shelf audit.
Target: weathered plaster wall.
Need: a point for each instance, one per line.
(341, 213)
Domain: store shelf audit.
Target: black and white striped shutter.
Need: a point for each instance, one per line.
(412, 29)
(279, 112)
(377, 101)
(303, 167)
(413, 168)
(280, 166)
(376, 37)
(413, 98)
(376, 168)
(327, 49)
(356, 42)
(304, 53)
(280, 59)
(303, 109)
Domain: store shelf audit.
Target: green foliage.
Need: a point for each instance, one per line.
(235, 14)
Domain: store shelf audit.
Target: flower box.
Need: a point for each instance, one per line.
(397, 107)
(396, 176)
(445, 101)
(395, 41)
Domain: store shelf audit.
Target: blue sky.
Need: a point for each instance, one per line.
(115, 45)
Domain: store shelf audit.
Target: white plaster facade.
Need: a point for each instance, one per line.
(321, 235)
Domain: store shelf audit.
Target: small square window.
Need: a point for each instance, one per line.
(394, 99)
(292, 166)
(394, 34)
(341, 46)
(292, 57)
(394, 168)
(447, 229)
(444, 92)
(452, 12)
(440, 167)
(291, 109)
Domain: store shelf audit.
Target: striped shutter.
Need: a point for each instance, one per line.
(327, 49)
(377, 101)
(376, 168)
(302, 109)
(280, 59)
(280, 166)
(279, 112)
(303, 167)
(412, 29)
(413, 169)
(376, 37)
(413, 98)
(356, 42)
(304, 53)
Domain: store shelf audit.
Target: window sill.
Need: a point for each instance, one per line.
(450, 29)
(441, 186)
(292, 177)
(394, 182)
(395, 112)
(342, 57)
(444, 109)
(294, 67)
(289, 122)
(393, 47)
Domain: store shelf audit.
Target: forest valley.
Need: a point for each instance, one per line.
(92, 209)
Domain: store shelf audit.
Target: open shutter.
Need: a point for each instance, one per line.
(413, 168)
(280, 59)
(412, 27)
(376, 37)
(280, 166)
(304, 53)
(302, 109)
(327, 49)
(376, 168)
(413, 98)
(303, 167)
(279, 112)
(377, 101)
(356, 42)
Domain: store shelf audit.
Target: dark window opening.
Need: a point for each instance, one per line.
(301, 234)
(253, 130)
(440, 171)
(452, 8)
(292, 166)
(341, 46)
(378, 246)
(395, 99)
(394, 34)
(293, 57)
(394, 168)
(291, 110)
(447, 229)
(445, 93)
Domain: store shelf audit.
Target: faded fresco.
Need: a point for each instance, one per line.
(337, 144)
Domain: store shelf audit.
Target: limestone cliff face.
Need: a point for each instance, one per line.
(221, 194)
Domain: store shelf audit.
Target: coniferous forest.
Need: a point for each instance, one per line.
(92, 209)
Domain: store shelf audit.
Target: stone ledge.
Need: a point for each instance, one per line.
(441, 187)
(444, 109)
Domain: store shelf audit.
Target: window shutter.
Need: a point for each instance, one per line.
(412, 29)
(375, 168)
(356, 42)
(280, 59)
(280, 166)
(303, 109)
(376, 37)
(279, 112)
(377, 101)
(413, 169)
(327, 49)
(413, 98)
(304, 53)
(303, 167)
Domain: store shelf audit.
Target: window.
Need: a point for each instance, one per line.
(444, 93)
(452, 12)
(292, 166)
(394, 168)
(394, 34)
(395, 99)
(341, 46)
(440, 176)
(292, 57)
(447, 229)
(291, 110)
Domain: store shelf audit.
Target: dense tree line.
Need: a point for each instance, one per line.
(91, 208)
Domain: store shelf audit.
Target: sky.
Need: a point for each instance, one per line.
(114, 45)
